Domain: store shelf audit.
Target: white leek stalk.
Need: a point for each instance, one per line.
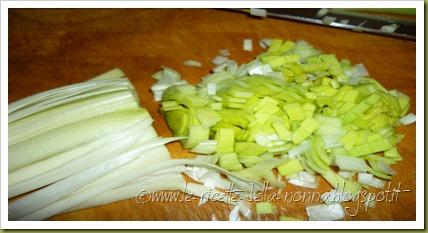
(53, 162)
(72, 94)
(53, 142)
(61, 188)
(17, 211)
(83, 162)
(43, 122)
(168, 182)
(60, 93)
(42, 198)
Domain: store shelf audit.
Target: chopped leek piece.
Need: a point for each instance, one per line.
(275, 45)
(279, 149)
(408, 119)
(197, 134)
(230, 162)
(286, 46)
(264, 208)
(393, 154)
(294, 111)
(205, 147)
(299, 135)
(178, 121)
(349, 139)
(349, 163)
(248, 45)
(249, 149)
(368, 179)
(225, 140)
(303, 179)
(346, 174)
(325, 212)
(289, 218)
(289, 167)
(193, 63)
(341, 184)
(372, 147)
(381, 166)
(207, 117)
(310, 125)
(300, 149)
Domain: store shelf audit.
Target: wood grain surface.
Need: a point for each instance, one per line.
(56, 47)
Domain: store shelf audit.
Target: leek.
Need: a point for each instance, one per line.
(264, 208)
(95, 88)
(52, 142)
(89, 159)
(37, 124)
(289, 218)
(107, 148)
(311, 109)
(61, 188)
(73, 200)
(325, 212)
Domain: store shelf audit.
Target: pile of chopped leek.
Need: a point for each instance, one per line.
(293, 112)
(90, 144)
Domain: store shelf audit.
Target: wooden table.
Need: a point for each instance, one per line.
(51, 48)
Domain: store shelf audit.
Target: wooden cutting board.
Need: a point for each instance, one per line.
(56, 47)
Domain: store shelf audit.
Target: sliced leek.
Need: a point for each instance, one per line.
(293, 101)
